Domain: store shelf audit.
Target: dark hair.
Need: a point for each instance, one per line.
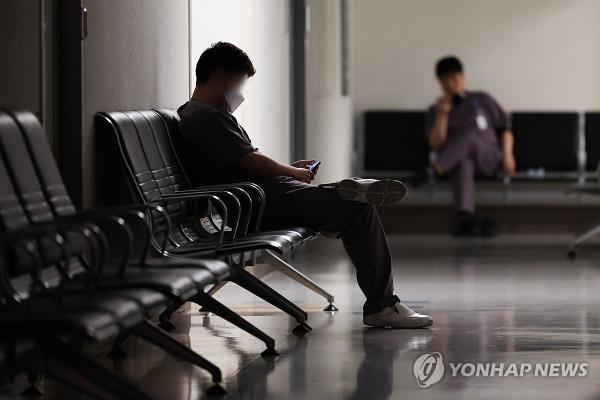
(226, 56)
(448, 65)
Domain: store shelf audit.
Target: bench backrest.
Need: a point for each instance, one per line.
(546, 140)
(395, 142)
(150, 163)
(592, 140)
(31, 188)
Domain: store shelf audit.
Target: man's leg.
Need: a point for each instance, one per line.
(359, 227)
(488, 163)
(458, 159)
(463, 185)
(453, 153)
(366, 244)
(463, 188)
(464, 159)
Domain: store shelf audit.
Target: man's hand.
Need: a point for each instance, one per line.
(508, 164)
(303, 163)
(255, 163)
(439, 130)
(508, 158)
(443, 104)
(301, 174)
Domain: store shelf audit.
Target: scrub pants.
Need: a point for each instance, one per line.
(357, 224)
(464, 158)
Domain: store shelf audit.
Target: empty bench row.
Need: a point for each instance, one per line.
(69, 278)
(547, 144)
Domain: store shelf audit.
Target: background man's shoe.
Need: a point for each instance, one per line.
(397, 316)
(373, 191)
(488, 228)
(467, 225)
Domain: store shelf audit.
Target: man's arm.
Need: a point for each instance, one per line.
(439, 130)
(508, 159)
(255, 163)
(501, 123)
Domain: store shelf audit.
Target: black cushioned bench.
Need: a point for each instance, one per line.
(394, 142)
(546, 144)
(592, 140)
(592, 170)
(154, 174)
(68, 278)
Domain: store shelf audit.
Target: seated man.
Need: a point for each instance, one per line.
(463, 128)
(216, 149)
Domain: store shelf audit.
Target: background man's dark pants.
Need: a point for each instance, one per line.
(357, 224)
(464, 158)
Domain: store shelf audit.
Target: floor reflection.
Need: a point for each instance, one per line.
(515, 299)
(375, 375)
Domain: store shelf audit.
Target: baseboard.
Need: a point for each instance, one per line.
(513, 219)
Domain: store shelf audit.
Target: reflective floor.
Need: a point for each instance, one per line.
(515, 299)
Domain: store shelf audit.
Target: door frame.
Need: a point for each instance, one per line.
(300, 24)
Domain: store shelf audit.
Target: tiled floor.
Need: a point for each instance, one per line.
(515, 299)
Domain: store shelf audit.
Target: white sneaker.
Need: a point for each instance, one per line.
(378, 192)
(397, 316)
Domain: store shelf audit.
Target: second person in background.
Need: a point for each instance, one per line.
(471, 134)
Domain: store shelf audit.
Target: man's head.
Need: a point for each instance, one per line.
(449, 71)
(222, 70)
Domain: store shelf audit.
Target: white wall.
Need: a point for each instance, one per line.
(134, 58)
(210, 22)
(329, 113)
(530, 54)
(266, 36)
(261, 29)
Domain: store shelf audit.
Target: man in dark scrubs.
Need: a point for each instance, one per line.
(471, 134)
(216, 149)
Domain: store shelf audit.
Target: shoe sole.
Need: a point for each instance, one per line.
(426, 325)
(380, 193)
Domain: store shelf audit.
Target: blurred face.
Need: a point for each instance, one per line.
(224, 82)
(227, 88)
(453, 84)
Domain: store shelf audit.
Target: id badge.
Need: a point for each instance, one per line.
(481, 121)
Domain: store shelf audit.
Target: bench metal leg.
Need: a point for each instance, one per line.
(214, 289)
(584, 237)
(289, 270)
(216, 307)
(165, 317)
(82, 373)
(117, 353)
(263, 287)
(148, 331)
(256, 286)
(34, 379)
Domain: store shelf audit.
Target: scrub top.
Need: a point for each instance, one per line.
(477, 113)
(212, 142)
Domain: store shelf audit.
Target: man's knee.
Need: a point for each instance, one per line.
(463, 148)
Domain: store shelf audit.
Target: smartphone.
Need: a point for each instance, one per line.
(314, 166)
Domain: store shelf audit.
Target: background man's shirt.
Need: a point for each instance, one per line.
(476, 114)
(211, 143)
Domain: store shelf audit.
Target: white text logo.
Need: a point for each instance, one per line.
(428, 369)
